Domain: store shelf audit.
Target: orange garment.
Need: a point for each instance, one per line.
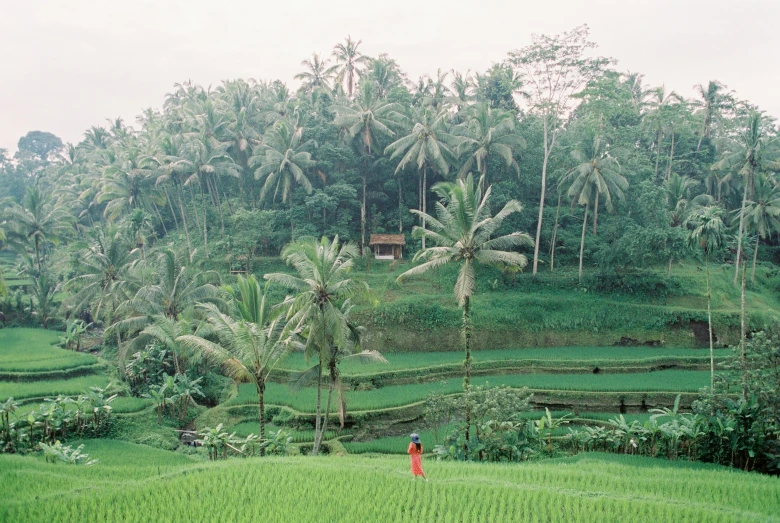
(416, 458)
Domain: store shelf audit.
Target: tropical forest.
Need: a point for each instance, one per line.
(552, 285)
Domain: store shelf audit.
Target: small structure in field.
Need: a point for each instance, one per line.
(387, 246)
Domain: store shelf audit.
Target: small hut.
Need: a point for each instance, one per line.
(387, 246)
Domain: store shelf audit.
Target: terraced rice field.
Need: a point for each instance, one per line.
(32, 367)
(399, 395)
(136, 483)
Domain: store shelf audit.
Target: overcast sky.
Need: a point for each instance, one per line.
(68, 65)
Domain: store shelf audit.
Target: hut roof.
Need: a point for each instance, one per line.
(387, 239)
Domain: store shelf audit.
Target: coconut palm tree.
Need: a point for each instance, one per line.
(248, 344)
(710, 106)
(39, 220)
(754, 151)
(364, 122)
(489, 132)
(104, 282)
(427, 146)
(708, 233)
(763, 211)
(660, 118)
(281, 161)
(597, 175)
(348, 63)
(462, 233)
(127, 185)
(317, 75)
(681, 204)
(321, 286)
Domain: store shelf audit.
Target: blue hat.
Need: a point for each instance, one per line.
(415, 438)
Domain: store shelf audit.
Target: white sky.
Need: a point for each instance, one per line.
(70, 64)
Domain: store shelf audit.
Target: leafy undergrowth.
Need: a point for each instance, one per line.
(135, 483)
(398, 395)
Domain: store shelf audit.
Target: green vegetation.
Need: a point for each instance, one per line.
(33, 350)
(141, 484)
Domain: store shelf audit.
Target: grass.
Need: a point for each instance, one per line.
(399, 395)
(136, 483)
(246, 428)
(552, 356)
(31, 350)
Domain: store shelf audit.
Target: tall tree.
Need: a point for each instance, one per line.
(597, 175)
(763, 212)
(281, 161)
(249, 343)
(710, 106)
(708, 233)
(489, 132)
(462, 232)
(322, 284)
(427, 146)
(755, 150)
(364, 122)
(348, 63)
(316, 74)
(553, 69)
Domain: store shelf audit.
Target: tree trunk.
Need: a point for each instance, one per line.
(657, 152)
(467, 366)
(582, 241)
(159, 217)
(170, 206)
(555, 234)
(400, 208)
(424, 208)
(186, 230)
(596, 216)
(261, 412)
(318, 416)
(709, 322)
(205, 226)
(741, 229)
(195, 207)
(743, 335)
(324, 427)
(755, 258)
(669, 267)
(219, 206)
(363, 219)
(547, 148)
(671, 158)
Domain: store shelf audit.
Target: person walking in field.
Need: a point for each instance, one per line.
(415, 451)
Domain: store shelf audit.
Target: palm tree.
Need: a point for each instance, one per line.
(385, 74)
(680, 203)
(762, 212)
(596, 175)
(281, 160)
(348, 62)
(489, 132)
(317, 74)
(104, 282)
(754, 151)
(427, 146)
(39, 220)
(128, 185)
(462, 231)
(364, 122)
(708, 233)
(322, 285)
(711, 104)
(659, 117)
(249, 344)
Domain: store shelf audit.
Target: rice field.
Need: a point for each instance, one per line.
(551, 356)
(136, 483)
(34, 350)
(399, 395)
(50, 388)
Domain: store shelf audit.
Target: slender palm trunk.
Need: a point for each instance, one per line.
(219, 206)
(261, 412)
(755, 258)
(743, 335)
(547, 148)
(657, 151)
(555, 234)
(423, 199)
(363, 219)
(596, 216)
(186, 230)
(467, 328)
(205, 227)
(318, 416)
(582, 241)
(159, 217)
(195, 207)
(170, 206)
(671, 158)
(709, 322)
(400, 208)
(36, 242)
(331, 386)
(741, 229)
